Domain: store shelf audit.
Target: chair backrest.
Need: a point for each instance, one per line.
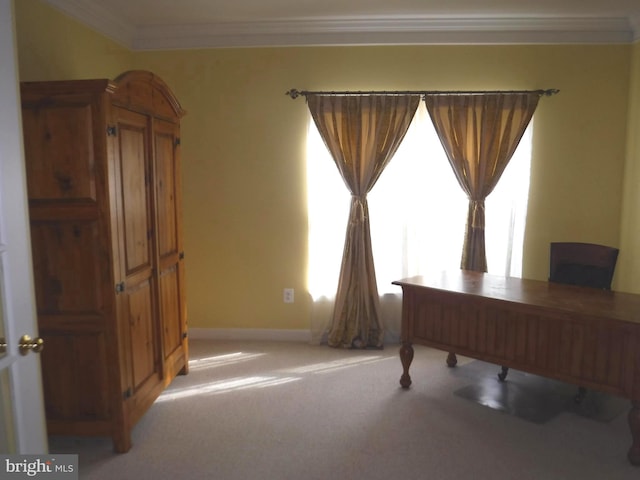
(584, 264)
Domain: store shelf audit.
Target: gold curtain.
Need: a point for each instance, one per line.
(362, 133)
(479, 133)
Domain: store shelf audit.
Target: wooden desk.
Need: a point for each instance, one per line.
(578, 335)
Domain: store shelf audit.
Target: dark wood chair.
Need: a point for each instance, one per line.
(584, 264)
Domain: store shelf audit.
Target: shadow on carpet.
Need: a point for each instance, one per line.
(531, 397)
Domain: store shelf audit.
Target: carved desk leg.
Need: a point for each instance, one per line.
(634, 424)
(452, 360)
(406, 357)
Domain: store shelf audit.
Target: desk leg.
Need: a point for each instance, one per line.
(406, 357)
(452, 360)
(634, 424)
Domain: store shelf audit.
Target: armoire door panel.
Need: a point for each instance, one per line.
(75, 375)
(136, 200)
(70, 265)
(144, 352)
(170, 301)
(165, 140)
(62, 141)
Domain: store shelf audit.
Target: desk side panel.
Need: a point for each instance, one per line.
(591, 352)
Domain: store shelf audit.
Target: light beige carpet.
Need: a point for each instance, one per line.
(296, 411)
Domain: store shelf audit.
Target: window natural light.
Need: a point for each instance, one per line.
(326, 367)
(223, 386)
(417, 212)
(221, 360)
(271, 379)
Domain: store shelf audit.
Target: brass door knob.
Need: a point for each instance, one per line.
(28, 344)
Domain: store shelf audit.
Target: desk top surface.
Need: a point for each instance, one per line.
(550, 295)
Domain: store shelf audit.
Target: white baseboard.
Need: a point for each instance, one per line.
(268, 334)
(265, 334)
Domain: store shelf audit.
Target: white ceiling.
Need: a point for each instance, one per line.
(171, 24)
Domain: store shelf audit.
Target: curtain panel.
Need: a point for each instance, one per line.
(479, 133)
(362, 133)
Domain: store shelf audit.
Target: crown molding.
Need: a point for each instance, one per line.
(387, 31)
(356, 31)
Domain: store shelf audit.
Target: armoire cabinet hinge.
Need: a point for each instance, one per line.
(120, 287)
(177, 142)
(112, 131)
(127, 393)
(184, 335)
(181, 256)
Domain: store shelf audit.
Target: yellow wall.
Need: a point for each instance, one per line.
(243, 147)
(52, 46)
(628, 270)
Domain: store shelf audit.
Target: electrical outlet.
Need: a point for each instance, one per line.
(288, 295)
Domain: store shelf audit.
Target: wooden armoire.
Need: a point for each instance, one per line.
(104, 186)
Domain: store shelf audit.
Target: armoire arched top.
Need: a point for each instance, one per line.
(143, 90)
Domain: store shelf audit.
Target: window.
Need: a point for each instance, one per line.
(417, 212)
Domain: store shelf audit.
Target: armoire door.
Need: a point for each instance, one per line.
(138, 291)
(170, 249)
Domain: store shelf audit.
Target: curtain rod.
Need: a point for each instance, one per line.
(294, 93)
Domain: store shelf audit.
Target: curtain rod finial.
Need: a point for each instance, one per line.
(293, 93)
(551, 91)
